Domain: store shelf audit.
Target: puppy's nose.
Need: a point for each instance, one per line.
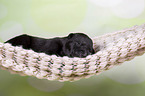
(83, 54)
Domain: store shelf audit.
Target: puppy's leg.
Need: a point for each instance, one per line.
(22, 40)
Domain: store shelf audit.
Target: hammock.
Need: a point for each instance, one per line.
(114, 49)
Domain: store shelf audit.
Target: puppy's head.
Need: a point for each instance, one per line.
(78, 45)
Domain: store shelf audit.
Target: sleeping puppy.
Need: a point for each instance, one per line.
(74, 45)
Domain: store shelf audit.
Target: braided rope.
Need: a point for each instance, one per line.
(114, 49)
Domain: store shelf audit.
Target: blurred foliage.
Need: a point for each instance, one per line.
(53, 18)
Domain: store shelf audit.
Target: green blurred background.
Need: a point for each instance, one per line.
(53, 18)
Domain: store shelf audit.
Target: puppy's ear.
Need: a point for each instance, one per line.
(70, 35)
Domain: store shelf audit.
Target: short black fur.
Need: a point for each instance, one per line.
(74, 45)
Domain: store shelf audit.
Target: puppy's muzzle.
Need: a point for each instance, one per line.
(80, 53)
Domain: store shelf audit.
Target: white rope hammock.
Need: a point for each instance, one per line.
(114, 48)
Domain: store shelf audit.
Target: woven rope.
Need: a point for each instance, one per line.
(114, 49)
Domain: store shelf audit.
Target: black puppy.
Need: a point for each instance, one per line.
(74, 45)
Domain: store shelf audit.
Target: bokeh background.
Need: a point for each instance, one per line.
(53, 18)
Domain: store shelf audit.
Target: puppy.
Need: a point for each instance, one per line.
(74, 45)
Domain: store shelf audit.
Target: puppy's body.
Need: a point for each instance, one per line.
(74, 45)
